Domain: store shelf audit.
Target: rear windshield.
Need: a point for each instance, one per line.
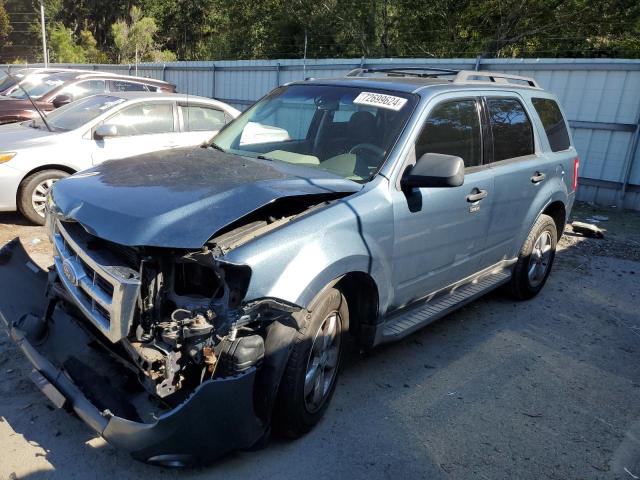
(553, 123)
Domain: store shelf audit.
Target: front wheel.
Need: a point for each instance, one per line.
(535, 259)
(32, 196)
(312, 370)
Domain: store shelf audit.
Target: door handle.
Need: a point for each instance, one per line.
(538, 177)
(477, 196)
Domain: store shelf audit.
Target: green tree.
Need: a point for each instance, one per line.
(5, 26)
(90, 47)
(63, 48)
(134, 40)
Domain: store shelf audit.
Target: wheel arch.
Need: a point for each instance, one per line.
(558, 211)
(361, 292)
(42, 168)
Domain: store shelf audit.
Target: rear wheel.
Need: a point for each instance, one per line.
(32, 195)
(535, 259)
(312, 370)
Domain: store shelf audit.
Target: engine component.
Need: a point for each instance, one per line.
(240, 354)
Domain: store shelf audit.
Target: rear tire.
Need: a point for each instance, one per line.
(33, 192)
(535, 259)
(311, 373)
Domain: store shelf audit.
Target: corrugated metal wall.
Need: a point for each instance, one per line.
(601, 98)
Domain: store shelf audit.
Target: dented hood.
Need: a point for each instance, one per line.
(180, 198)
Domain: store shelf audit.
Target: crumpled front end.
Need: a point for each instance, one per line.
(171, 388)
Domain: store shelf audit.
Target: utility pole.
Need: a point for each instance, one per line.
(304, 61)
(45, 54)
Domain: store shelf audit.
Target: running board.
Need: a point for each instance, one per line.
(409, 320)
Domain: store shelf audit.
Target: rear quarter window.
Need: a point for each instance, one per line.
(553, 123)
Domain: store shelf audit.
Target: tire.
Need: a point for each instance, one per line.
(535, 260)
(37, 184)
(298, 412)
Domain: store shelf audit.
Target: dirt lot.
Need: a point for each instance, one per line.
(544, 389)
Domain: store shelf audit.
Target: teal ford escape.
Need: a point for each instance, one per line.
(200, 296)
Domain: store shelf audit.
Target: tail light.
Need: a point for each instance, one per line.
(576, 165)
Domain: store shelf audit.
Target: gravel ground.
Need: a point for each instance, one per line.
(549, 388)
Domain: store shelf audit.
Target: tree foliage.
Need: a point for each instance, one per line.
(163, 30)
(5, 26)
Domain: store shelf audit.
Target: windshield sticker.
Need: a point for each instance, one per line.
(380, 100)
(108, 105)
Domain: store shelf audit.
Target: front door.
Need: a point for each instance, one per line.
(440, 232)
(141, 128)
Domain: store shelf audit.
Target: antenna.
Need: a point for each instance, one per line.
(44, 120)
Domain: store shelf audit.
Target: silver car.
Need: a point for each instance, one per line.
(33, 155)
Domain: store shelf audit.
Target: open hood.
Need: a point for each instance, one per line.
(181, 198)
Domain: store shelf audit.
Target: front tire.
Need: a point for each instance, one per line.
(312, 370)
(535, 259)
(32, 195)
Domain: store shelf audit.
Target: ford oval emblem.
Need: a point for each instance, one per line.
(69, 272)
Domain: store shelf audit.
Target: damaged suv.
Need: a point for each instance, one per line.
(200, 296)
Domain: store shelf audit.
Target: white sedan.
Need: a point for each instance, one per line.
(98, 128)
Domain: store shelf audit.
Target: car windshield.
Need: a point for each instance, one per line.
(39, 84)
(347, 131)
(8, 81)
(77, 114)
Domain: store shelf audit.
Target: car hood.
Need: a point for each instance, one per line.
(15, 136)
(181, 198)
(12, 104)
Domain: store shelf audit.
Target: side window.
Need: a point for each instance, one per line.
(124, 86)
(143, 119)
(84, 89)
(511, 129)
(202, 119)
(453, 128)
(553, 123)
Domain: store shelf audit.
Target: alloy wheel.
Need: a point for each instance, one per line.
(540, 259)
(322, 363)
(39, 196)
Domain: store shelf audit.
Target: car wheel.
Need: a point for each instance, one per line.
(535, 259)
(312, 370)
(32, 195)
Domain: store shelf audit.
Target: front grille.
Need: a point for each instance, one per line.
(102, 283)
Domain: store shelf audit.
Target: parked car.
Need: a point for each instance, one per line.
(53, 89)
(92, 130)
(201, 295)
(10, 78)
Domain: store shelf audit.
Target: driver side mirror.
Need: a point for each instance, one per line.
(61, 100)
(435, 170)
(104, 131)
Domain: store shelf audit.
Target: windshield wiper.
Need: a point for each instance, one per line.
(264, 157)
(217, 147)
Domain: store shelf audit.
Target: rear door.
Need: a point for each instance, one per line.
(142, 128)
(440, 233)
(520, 168)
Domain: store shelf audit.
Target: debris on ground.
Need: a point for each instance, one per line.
(587, 229)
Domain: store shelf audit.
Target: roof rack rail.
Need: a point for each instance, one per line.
(404, 71)
(484, 76)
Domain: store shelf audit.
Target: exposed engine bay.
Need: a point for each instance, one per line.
(189, 322)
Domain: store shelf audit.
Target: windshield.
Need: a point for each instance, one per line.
(344, 130)
(8, 81)
(39, 84)
(77, 114)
